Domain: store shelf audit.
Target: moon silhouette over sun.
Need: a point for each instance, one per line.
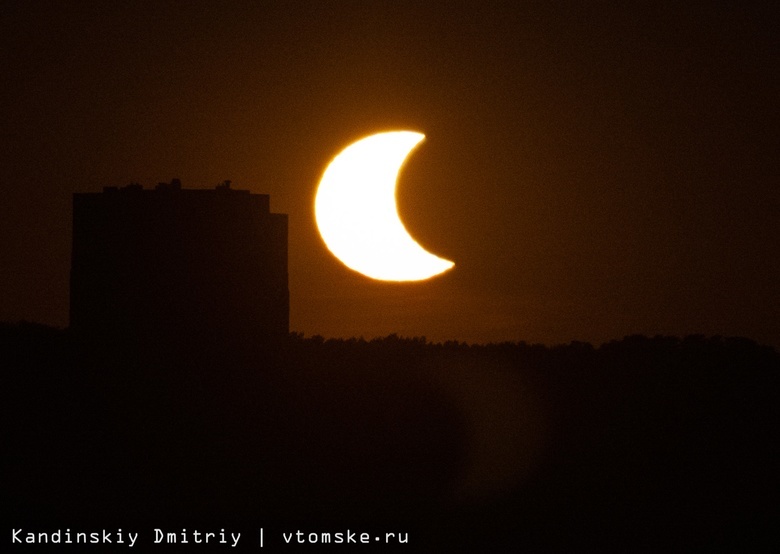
(358, 217)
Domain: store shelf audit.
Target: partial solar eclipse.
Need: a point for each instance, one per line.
(357, 214)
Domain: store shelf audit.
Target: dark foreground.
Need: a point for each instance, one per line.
(643, 444)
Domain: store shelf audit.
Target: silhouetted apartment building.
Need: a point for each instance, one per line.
(171, 265)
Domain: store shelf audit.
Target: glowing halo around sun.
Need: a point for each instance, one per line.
(357, 215)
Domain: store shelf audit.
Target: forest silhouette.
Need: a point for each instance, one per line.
(639, 443)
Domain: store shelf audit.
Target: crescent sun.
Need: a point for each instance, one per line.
(358, 217)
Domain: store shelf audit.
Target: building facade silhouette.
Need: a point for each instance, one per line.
(174, 266)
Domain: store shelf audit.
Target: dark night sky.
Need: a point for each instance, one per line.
(593, 170)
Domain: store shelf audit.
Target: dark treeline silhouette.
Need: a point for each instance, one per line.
(641, 443)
